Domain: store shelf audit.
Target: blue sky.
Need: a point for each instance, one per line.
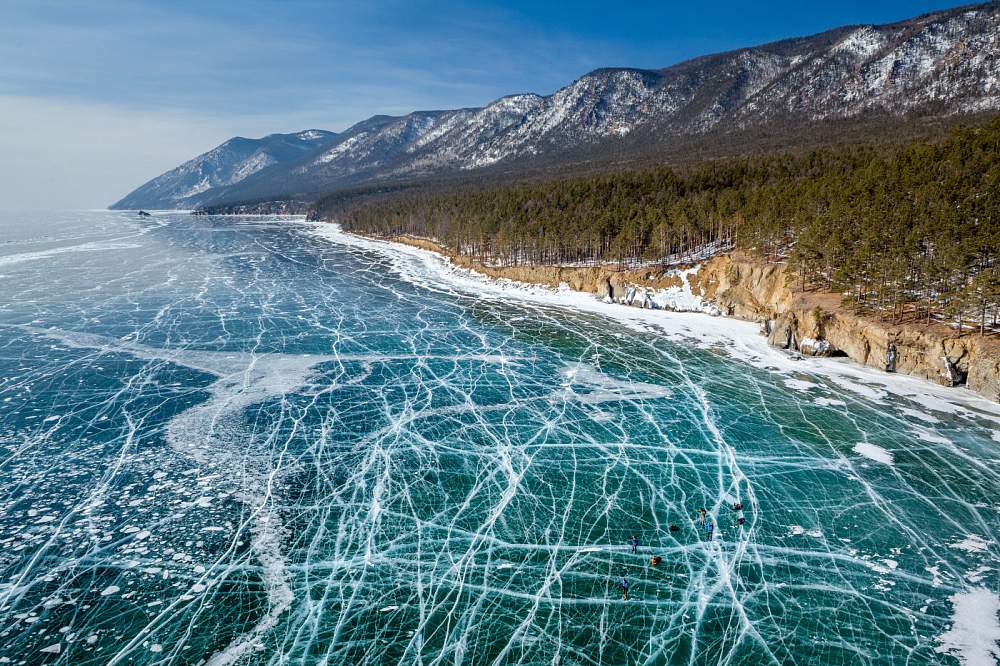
(97, 97)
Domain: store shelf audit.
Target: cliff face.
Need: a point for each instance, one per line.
(813, 324)
(744, 288)
(929, 352)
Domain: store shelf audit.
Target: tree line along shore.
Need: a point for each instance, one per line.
(906, 232)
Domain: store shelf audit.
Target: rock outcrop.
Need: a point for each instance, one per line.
(745, 288)
(815, 324)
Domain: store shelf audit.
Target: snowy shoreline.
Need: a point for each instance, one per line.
(739, 338)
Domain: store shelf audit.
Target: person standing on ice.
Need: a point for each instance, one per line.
(624, 586)
(634, 540)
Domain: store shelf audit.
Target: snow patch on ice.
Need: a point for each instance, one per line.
(975, 629)
(590, 386)
(973, 543)
(798, 530)
(800, 384)
(931, 437)
(874, 452)
(923, 416)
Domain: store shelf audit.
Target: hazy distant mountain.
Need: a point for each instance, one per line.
(195, 181)
(937, 65)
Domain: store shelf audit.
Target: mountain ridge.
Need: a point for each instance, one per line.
(938, 64)
(229, 162)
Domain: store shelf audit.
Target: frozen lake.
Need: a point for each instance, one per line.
(247, 441)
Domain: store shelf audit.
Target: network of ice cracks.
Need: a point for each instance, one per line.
(245, 445)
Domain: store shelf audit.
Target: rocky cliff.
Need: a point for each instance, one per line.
(816, 325)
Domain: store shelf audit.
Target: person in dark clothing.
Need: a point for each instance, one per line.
(737, 507)
(656, 560)
(709, 528)
(675, 528)
(741, 521)
(624, 586)
(634, 540)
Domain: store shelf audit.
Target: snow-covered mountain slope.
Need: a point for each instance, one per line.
(937, 65)
(192, 182)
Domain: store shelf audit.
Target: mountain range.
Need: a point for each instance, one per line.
(198, 180)
(940, 65)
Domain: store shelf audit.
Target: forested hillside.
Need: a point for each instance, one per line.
(905, 232)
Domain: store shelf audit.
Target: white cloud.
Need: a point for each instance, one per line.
(97, 100)
(72, 154)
